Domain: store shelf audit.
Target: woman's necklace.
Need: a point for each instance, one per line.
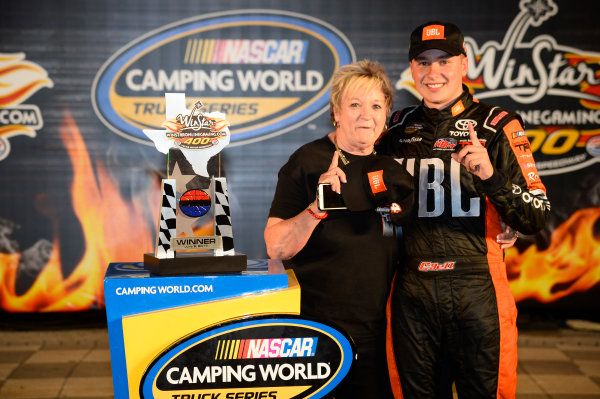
(341, 154)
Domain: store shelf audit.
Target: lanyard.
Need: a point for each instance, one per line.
(341, 154)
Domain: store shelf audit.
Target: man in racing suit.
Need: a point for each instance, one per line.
(452, 310)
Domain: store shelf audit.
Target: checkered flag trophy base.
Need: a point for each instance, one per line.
(194, 234)
(166, 224)
(223, 227)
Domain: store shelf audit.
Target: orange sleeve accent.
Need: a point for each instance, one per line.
(389, 348)
(515, 133)
(507, 310)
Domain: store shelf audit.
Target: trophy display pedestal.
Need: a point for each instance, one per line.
(148, 314)
(195, 263)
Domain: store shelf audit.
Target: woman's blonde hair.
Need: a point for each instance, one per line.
(364, 71)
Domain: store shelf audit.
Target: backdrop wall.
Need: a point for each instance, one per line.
(79, 183)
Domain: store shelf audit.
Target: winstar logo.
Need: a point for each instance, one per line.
(539, 73)
(19, 80)
(197, 130)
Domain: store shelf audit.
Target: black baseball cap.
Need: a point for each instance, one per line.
(436, 35)
(377, 181)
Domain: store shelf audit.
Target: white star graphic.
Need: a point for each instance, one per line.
(540, 10)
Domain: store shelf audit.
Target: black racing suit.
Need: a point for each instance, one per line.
(452, 310)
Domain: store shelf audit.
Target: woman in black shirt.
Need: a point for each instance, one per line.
(342, 259)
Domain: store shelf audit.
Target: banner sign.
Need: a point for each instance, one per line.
(268, 71)
(555, 88)
(81, 183)
(260, 357)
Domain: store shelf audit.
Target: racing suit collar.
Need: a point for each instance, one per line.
(456, 108)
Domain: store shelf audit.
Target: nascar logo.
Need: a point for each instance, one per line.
(246, 51)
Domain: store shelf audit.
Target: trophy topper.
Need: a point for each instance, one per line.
(194, 230)
(199, 136)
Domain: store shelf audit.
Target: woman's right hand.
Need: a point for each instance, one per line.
(334, 175)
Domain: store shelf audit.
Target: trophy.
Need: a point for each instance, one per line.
(194, 234)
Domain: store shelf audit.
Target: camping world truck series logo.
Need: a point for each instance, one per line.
(267, 71)
(264, 357)
(555, 88)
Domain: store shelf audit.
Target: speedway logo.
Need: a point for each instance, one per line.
(256, 357)
(267, 71)
(562, 79)
(19, 80)
(196, 130)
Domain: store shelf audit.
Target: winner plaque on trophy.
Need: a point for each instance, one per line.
(195, 234)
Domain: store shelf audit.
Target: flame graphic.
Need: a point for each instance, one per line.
(590, 89)
(570, 264)
(14, 130)
(218, 124)
(172, 125)
(585, 87)
(474, 85)
(113, 229)
(19, 79)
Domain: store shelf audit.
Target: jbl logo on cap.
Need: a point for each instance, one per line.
(376, 181)
(431, 32)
